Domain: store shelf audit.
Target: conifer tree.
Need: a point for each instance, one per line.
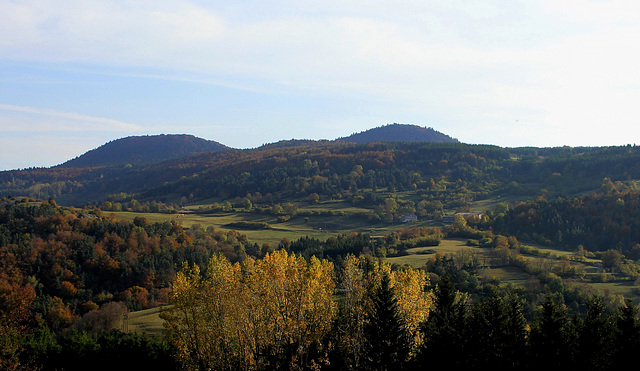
(595, 337)
(627, 335)
(497, 333)
(444, 330)
(387, 343)
(515, 333)
(552, 341)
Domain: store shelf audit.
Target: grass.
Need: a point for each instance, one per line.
(318, 226)
(624, 288)
(485, 205)
(146, 321)
(292, 229)
(516, 275)
(418, 260)
(506, 274)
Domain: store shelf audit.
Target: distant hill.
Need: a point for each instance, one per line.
(399, 133)
(146, 149)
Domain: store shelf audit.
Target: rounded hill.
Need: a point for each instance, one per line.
(147, 149)
(399, 133)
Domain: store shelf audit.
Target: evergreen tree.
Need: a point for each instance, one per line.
(552, 340)
(387, 343)
(497, 333)
(444, 330)
(627, 335)
(515, 333)
(595, 337)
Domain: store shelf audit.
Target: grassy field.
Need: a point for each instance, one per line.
(147, 321)
(417, 258)
(319, 226)
(485, 205)
(625, 288)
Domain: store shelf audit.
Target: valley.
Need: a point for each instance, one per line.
(101, 244)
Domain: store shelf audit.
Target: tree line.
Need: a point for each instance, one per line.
(341, 169)
(285, 312)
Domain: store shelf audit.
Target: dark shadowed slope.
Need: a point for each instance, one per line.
(148, 149)
(399, 133)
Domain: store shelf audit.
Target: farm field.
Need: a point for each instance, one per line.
(147, 321)
(544, 256)
(480, 206)
(420, 255)
(318, 226)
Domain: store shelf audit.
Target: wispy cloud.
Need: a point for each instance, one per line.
(34, 119)
(476, 67)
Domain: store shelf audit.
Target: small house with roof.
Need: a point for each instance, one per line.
(409, 218)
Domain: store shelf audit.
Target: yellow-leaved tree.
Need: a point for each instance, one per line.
(263, 314)
(360, 278)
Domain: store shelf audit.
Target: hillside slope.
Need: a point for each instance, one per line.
(399, 133)
(148, 149)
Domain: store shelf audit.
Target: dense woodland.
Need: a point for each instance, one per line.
(68, 274)
(454, 174)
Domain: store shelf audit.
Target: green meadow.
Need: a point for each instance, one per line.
(346, 219)
(147, 321)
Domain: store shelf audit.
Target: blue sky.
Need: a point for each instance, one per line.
(75, 74)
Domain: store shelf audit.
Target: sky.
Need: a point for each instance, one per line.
(75, 74)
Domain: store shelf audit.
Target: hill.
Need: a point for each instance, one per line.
(454, 174)
(147, 149)
(399, 133)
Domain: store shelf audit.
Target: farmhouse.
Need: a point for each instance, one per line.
(409, 218)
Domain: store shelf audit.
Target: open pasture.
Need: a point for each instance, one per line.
(320, 225)
(147, 321)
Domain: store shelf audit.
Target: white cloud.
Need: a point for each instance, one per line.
(31, 119)
(547, 63)
(111, 32)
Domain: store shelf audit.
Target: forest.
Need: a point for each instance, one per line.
(454, 174)
(246, 294)
(69, 275)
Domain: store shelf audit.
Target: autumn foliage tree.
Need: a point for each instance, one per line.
(360, 284)
(15, 299)
(261, 314)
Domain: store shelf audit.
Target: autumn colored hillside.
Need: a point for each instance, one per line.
(223, 234)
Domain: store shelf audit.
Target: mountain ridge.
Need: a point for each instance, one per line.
(144, 149)
(149, 149)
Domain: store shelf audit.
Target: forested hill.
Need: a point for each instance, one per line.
(148, 149)
(454, 174)
(399, 133)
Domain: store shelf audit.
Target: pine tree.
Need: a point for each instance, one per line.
(515, 333)
(387, 343)
(552, 341)
(595, 337)
(497, 333)
(627, 335)
(444, 330)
